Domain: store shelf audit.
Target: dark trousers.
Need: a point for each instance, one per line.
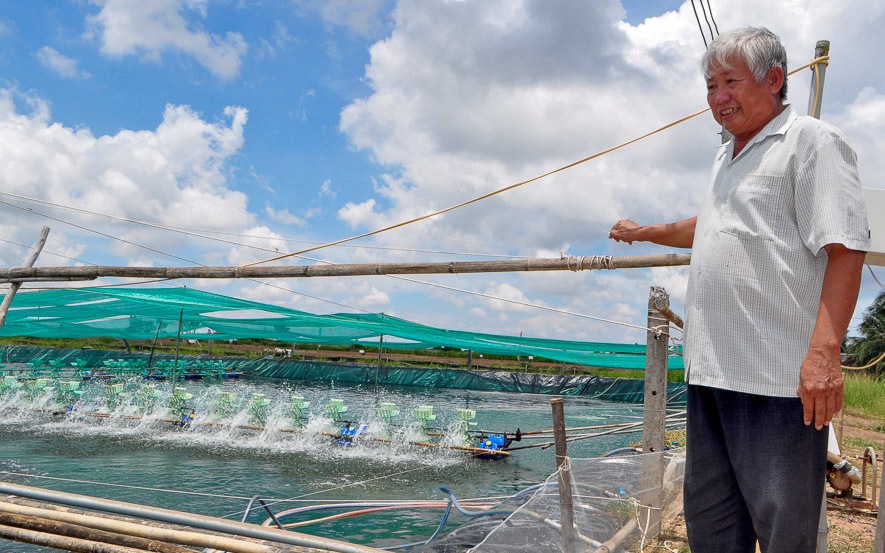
(753, 471)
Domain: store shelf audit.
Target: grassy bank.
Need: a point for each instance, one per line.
(865, 396)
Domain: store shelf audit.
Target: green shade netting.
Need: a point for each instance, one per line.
(146, 313)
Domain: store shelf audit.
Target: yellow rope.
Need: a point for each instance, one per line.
(867, 366)
(814, 62)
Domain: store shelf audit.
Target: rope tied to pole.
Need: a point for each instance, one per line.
(594, 262)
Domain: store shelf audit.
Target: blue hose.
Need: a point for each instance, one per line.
(461, 510)
(439, 528)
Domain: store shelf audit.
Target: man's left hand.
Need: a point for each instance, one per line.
(821, 386)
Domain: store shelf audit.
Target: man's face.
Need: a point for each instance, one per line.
(741, 104)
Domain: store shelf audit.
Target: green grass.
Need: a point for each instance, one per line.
(853, 443)
(672, 376)
(865, 396)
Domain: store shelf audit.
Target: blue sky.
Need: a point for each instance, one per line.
(273, 125)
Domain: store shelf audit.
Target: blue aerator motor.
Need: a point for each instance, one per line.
(493, 442)
(349, 432)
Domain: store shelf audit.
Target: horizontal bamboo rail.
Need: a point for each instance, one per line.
(143, 530)
(90, 535)
(570, 263)
(225, 526)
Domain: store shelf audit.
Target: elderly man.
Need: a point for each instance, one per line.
(777, 252)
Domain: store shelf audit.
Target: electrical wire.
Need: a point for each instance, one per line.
(524, 303)
(868, 365)
(873, 274)
(93, 231)
(315, 260)
(205, 233)
(704, 10)
(700, 27)
(487, 195)
(814, 64)
(710, 9)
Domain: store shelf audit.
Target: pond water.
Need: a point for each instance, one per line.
(214, 466)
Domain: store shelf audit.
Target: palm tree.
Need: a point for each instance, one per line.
(871, 342)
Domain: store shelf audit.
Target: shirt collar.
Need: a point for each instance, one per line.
(776, 126)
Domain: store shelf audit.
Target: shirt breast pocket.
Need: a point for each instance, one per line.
(759, 208)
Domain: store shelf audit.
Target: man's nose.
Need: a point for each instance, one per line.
(720, 96)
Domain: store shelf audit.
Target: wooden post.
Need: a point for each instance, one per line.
(654, 411)
(378, 368)
(880, 518)
(13, 288)
(566, 507)
(380, 353)
(154, 345)
(818, 72)
(177, 348)
(815, 99)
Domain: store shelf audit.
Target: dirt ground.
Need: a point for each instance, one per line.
(851, 521)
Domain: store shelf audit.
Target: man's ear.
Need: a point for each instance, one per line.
(775, 79)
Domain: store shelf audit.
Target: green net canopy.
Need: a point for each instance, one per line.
(147, 313)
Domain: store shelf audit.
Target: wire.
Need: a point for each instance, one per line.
(710, 9)
(260, 282)
(700, 27)
(341, 487)
(704, 10)
(879, 282)
(484, 196)
(47, 252)
(814, 62)
(117, 238)
(108, 484)
(527, 304)
(200, 233)
(867, 366)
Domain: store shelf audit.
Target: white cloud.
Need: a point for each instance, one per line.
(864, 122)
(465, 103)
(356, 214)
(511, 298)
(60, 64)
(130, 27)
(326, 190)
(174, 175)
(372, 299)
(470, 97)
(364, 17)
(282, 216)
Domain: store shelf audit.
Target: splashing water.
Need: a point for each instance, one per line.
(136, 449)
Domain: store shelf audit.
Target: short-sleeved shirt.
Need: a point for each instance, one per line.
(758, 261)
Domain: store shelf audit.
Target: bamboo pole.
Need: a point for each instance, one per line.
(474, 450)
(183, 537)
(571, 263)
(14, 286)
(72, 530)
(187, 519)
(62, 542)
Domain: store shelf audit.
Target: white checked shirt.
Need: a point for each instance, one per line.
(758, 261)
